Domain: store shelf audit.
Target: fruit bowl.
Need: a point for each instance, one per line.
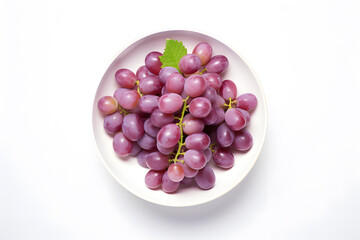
(127, 171)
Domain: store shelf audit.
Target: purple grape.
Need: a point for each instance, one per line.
(175, 83)
(170, 103)
(217, 64)
(147, 142)
(141, 158)
(176, 172)
(220, 116)
(211, 118)
(163, 150)
(118, 93)
(195, 85)
(219, 102)
(197, 141)
(205, 178)
(159, 119)
(142, 72)
(200, 107)
(133, 127)
(210, 93)
(228, 90)
(167, 185)
(235, 119)
(129, 99)
(166, 72)
(107, 105)
(224, 135)
(208, 153)
(125, 78)
(153, 63)
(247, 101)
(187, 180)
(150, 128)
(189, 64)
(151, 85)
(204, 51)
(223, 158)
(112, 122)
(246, 115)
(135, 150)
(189, 172)
(192, 125)
(122, 146)
(169, 135)
(153, 179)
(243, 140)
(195, 159)
(213, 80)
(157, 161)
(148, 103)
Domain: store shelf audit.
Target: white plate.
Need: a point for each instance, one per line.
(127, 171)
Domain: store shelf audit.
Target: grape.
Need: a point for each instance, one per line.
(204, 51)
(169, 135)
(166, 72)
(122, 146)
(133, 127)
(175, 83)
(153, 63)
(112, 122)
(223, 158)
(187, 180)
(151, 85)
(208, 153)
(211, 118)
(150, 128)
(129, 99)
(210, 93)
(217, 64)
(213, 79)
(219, 102)
(125, 78)
(224, 135)
(247, 101)
(243, 140)
(148, 103)
(135, 150)
(107, 104)
(160, 119)
(195, 86)
(200, 107)
(142, 72)
(163, 150)
(153, 179)
(195, 159)
(147, 142)
(235, 119)
(205, 178)
(246, 115)
(170, 103)
(118, 93)
(192, 125)
(176, 172)
(197, 141)
(157, 161)
(228, 90)
(137, 111)
(220, 116)
(141, 158)
(167, 185)
(189, 63)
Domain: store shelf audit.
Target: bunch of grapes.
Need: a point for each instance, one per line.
(176, 120)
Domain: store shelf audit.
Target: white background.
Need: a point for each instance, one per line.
(305, 184)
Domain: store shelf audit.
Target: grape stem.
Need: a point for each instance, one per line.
(138, 88)
(230, 103)
(123, 111)
(181, 141)
(212, 146)
(202, 71)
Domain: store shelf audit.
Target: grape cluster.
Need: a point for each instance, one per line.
(175, 121)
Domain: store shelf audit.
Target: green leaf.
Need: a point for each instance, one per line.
(174, 51)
